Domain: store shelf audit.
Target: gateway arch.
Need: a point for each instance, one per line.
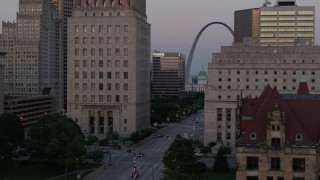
(195, 44)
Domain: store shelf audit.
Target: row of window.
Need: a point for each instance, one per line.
(100, 98)
(101, 64)
(117, 40)
(102, 28)
(100, 75)
(247, 87)
(298, 164)
(265, 80)
(274, 72)
(101, 86)
(101, 51)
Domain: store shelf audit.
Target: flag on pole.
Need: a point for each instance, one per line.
(134, 172)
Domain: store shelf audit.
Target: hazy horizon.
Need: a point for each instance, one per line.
(175, 24)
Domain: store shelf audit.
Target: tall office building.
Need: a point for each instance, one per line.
(168, 74)
(64, 11)
(2, 54)
(244, 70)
(109, 66)
(246, 24)
(31, 61)
(279, 25)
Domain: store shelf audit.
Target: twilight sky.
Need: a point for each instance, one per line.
(175, 24)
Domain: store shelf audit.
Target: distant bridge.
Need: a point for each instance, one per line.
(195, 44)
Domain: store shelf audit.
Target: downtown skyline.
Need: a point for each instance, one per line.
(174, 27)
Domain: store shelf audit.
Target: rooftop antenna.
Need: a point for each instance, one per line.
(266, 3)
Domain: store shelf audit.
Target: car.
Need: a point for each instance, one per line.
(200, 154)
(160, 135)
(140, 155)
(154, 136)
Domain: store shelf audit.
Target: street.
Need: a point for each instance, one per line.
(150, 166)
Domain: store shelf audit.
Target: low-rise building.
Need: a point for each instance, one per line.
(279, 136)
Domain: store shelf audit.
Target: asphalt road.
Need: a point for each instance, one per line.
(150, 166)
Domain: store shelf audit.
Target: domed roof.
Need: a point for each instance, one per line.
(202, 72)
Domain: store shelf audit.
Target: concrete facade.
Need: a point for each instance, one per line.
(1, 89)
(31, 62)
(244, 71)
(109, 66)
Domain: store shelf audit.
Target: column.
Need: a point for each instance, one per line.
(96, 122)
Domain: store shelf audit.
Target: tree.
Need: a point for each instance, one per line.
(56, 138)
(11, 136)
(180, 160)
(221, 161)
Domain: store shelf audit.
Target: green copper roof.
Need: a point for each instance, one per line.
(303, 78)
(202, 72)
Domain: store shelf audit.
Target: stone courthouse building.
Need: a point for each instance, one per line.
(279, 136)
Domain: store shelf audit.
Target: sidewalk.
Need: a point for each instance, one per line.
(95, 173)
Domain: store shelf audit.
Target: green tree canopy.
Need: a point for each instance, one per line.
(180, 160)
(11, 135)
(56, 138)
(221, 161)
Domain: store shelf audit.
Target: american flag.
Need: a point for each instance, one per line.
(134, 172)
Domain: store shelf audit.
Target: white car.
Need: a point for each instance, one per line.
(200, 154)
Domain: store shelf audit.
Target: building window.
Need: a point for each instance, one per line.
(93, 98)
(100, 75)
(109, 28)
(228, 114)
(269, 178)
(100, 63)
(117, 98)
(219, 114)
(125, 121)
(109, 75)
(117, 51)
(125, 75)
(125, 40)
(108, 98)
(84, 98)
(76, 63)
(109, 40)
(219, 136)
(126, 51)
(125, 87)
(117, 40)
(125, 63)
(117, 86)
(275, 164)
(76, 28)
(125, 28)
(84, 51)
(100, 51)
(100, 86)
(252, 163)
(100, 28)
(252, 177)
(85, 28)
(125, 98)
(93, 40)
(100, 98)
(76, 52)
(117, 75)
(93, 28)
(76, 98)
(84, 75)
(93, 86)
(228, 135)
(100, 40)
(275, 143)
(93, 63)
(108, 86)
(108, 63)
(109, 51)
(84, 63)
(117, 28)
(124, 129)
(117, 63)
(298, 164)
(76, 40)
(84, 86)
(93, 52)
(93, 75)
